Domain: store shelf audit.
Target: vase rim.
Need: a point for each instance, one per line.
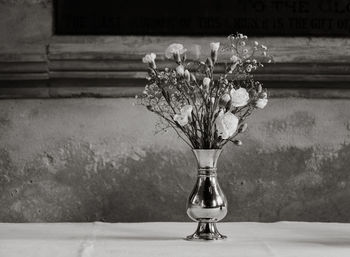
(207, 150)
(202, 149)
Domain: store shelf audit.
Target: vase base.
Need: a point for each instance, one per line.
(206, 231)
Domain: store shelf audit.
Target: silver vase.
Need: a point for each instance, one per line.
(207, 203)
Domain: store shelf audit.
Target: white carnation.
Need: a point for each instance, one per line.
(226, 124)
(149, 58)
(184, 116)
(261, 103)
(174, 49)
(214, 46)
(239, 97)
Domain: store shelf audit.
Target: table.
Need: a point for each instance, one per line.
(292, 239)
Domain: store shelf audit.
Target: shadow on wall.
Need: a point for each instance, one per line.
(71, 183)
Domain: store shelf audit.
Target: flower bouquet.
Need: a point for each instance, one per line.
(207, 103)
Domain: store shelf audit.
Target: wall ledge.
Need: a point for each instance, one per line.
(111, 66)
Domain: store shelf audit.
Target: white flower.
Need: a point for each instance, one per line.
(180, 70)
(149, 58)
(239, 97)
(224, 99)
(261, 103)
(184, 116)
(206, 82)
(226, 124)
(174, 49)
(187, 109)
(181, 119)
(214, 46)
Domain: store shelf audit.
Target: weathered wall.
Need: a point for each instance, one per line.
(25, 25)
(98, 159)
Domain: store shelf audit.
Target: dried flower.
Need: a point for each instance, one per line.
(249, 68)
(226, 124)
(234, 58)
(239, 97)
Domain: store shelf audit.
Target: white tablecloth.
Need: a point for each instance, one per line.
(297, 239)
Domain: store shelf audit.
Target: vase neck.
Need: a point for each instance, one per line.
(207, 160)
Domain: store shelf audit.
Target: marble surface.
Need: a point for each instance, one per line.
(281, 239)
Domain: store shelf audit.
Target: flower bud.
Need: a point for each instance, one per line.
(243, 128)
(237, 142)
(214, 51)
(260, 88)
(151, 72)
(232, 67)
(193, 77)
(223, 101)
(177, 58)
(187, 75)
(180, 70)
(209, 63)
(184, 57)
(206, 83)
(229, 105)
(263, 95)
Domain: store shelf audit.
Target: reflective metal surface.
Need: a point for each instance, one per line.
(207, 203)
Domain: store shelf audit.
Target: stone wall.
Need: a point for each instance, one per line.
(86, 159)
(98, 159)
(25, 23)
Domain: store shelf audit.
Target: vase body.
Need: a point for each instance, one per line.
(207, 203)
